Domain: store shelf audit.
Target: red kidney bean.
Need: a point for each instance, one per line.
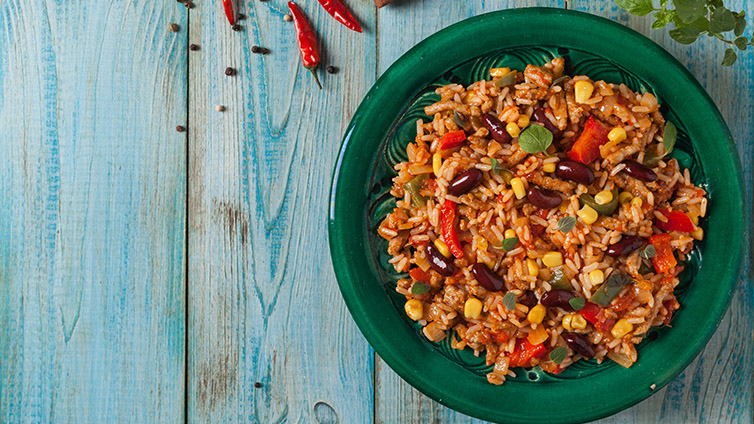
(488, 279)
(465, 182)
(574, 171)
(528, 298)
(543, 198)
(625, 246)
(576, 342)
(438, 262)
(539, 116)
(497, 128)
(639, 171)
(557, 298)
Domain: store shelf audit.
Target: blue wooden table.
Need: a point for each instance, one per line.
(151, 275)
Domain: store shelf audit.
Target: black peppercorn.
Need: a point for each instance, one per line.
(180, 128)
(332, 70)
(230, 71)
(193, 47)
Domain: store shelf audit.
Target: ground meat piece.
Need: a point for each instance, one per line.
(441, 106)
(551, 183)
(529, 96)
(454, 297)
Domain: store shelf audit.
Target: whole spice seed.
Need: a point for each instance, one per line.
(180, 128)
(240, 17)
(287, 17)
(264, 50)
(193, 47)
(307, 41)
(228, 6)
(220, 108)
(255, 49)
(258, 385)
(236, 27)
(230, 71)
(173, 27)
(340, 12)
(332, 70)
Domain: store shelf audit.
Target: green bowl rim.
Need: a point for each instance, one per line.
(339, 246)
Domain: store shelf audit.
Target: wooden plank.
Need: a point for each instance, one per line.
(395, 400)
(717, 386)
(264, 306)
(92, 208)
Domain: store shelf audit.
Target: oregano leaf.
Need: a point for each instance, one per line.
(741, 43)
(729, 57)
(669, 137)
(535, 139)
(636, 7)
(509, 301)
(419, 288)
(690, 10)
(577, 303)
(509, 243)
(684, 35)
(740, 24)
(558, 354)
(722, 20)
(566, 223)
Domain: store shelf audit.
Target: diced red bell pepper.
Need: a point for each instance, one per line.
(452, 139)
(449, 229)
(677, 221)
(499, 337)
(524, 352)
(419, 274)
(663, 259)
(587, 147)
(593, 313)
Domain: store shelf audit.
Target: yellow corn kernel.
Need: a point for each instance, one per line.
(523, 121)
(566, 322)
(698, 234)
(578, 322)
(518, 188)
(597, 277)
(587, 214)
(499, 72)
(536, 314)
(583, 91)
(481, 244)
(510, 233)
(604, 197)
(532, 267)
(414, 309)
(473, 308)
(637, 201)
(621, 328)
(616, 135)
(538, 336)
(442, 247)
(436, 163)
(625, 197)
(513, 129)
(549, 167)
(552, 259)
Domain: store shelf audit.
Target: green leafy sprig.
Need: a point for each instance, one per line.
(695, 18)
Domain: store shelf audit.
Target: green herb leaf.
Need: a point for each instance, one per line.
(648, 252)
(566, 223)
(506, 173)
(729, 57)
(644, 268)
(702, 24)
(458, 119)
(669, 137)
(740, 24)
(652, 158)
(684, 35)
(636, 7)
(560, 79)
(535, 139)
(509, 243)
(577, 303)
(741, 43)
(722, 20)
(419, 288)
(558, 354)
(689, 10)
(509, 301)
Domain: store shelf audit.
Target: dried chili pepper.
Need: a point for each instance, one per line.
(340, 12)
(228, 5)
(449, 230)
(307, 41)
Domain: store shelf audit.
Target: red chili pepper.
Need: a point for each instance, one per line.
(663, 259)
(228, 5)
(307, 41)
(587, 147)
(677, 221)
(524, 352)
(340, 12)
(449, 229)
(452, 139)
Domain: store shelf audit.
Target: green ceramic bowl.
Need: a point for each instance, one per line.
(385, 123)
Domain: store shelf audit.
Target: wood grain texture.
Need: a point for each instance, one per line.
(92, 208)
(717, 386)
(264, 306)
